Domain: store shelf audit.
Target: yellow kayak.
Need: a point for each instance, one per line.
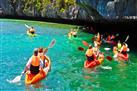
(31, 35)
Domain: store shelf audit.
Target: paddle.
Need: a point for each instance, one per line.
(125, 42)
(109, 57)
(18, 78)
(85, 43)
(106, 67)
(127, 38)
(107, 49)
(27, 26)
(81, 49)
(52, 43)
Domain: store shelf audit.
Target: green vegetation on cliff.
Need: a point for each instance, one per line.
(36, 7)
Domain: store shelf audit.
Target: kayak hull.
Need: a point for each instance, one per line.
(110, 42)
(123, 56)
(32, 79)
(31, 35)
(94, 63)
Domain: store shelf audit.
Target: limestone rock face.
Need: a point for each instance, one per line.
(113, 8)
(65, 9)
(70, 9)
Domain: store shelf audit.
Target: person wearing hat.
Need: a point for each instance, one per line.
(89, 54)
(97, 41)
(33, 64)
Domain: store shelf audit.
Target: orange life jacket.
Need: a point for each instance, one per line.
(89, 52)
(124, 48)
(35, 61)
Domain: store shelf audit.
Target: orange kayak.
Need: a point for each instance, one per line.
(32, 79)
(123, 56)
(94, 63)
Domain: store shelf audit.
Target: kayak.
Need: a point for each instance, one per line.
(70, 36)
(94, 63)
(120, 56)
(110, 42)
(123, 56)
(31, 35)
(32, 79)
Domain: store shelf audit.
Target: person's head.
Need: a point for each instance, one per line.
(118, 41)
(32, 27)
(35, 53)
(40, 51)
(125, 44)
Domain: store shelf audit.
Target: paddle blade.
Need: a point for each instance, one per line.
(127, 38)
(106, 67)
(80, 49)
(52, 43)
(107, 49)
(27, 26)
(109, 58)
(15, 80)
(85, 43)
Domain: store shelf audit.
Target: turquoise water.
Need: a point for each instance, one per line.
(67, 73)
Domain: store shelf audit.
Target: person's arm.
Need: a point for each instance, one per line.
(41, 64)
(128, 49)
(121, 49)
(27, 65)
(45, 50)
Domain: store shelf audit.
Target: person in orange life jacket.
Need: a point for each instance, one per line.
(111, 37)
(124, 48)
(89, 54)
(33, 64)
(108, 38)
(96, 51)
(43, 57)
(98, 37)
(31, 30)
(97, 41)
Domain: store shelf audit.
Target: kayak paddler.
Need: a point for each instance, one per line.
(33, 65)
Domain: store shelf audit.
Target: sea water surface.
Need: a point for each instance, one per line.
(67, 71)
